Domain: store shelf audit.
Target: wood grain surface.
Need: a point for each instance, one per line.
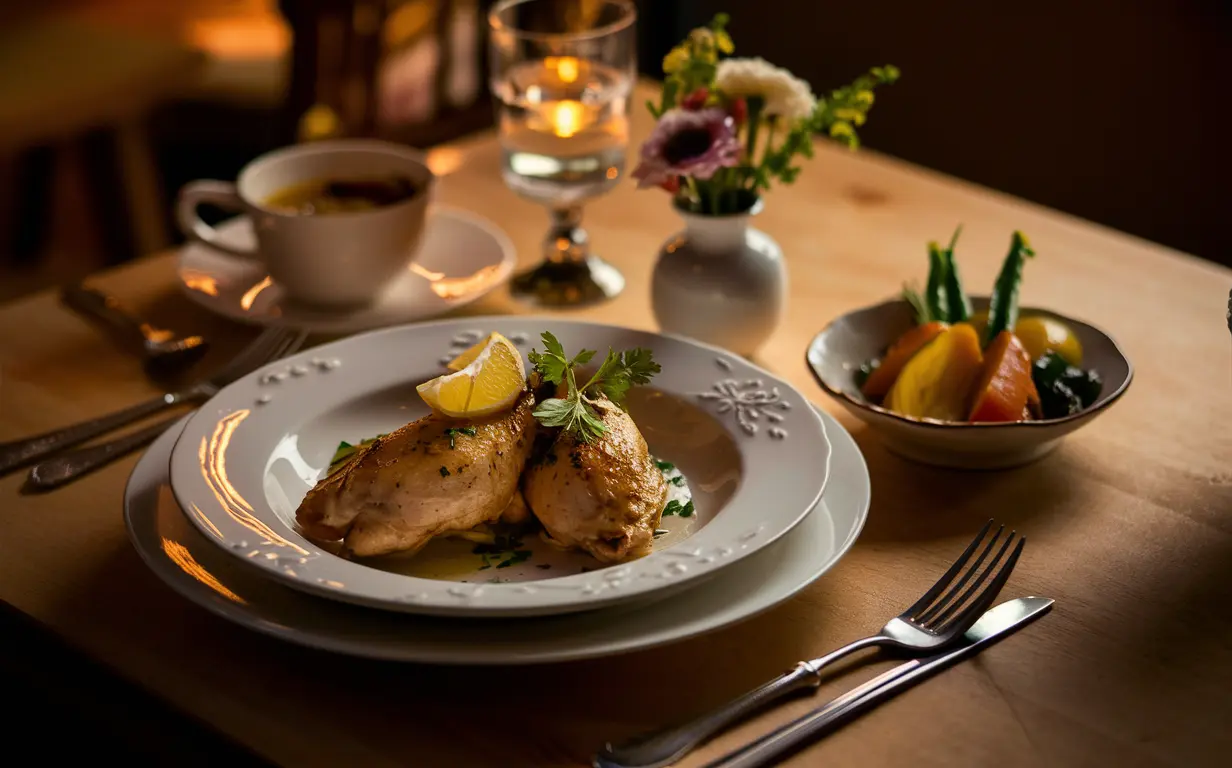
(1129, 522)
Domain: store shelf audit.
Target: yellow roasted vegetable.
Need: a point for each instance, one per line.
(1040, 335)
(936, 383)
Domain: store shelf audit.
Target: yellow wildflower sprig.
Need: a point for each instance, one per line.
(847, 108)
(691, 65)
(690, 71)
(837, 116)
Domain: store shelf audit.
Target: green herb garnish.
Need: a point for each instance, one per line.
(687, 509)
(677, 481)
(615, 377)
(453, 432)
(665, 466)
(521, 556)
(673, 508)
(345, 451)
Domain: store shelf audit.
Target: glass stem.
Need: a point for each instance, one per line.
(566, 241)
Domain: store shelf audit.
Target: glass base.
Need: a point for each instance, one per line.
(589, 280)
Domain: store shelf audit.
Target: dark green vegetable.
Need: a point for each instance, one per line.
(1058, 400)
(864, 371)
(958, 307)
(1064, 389)
(1003, 309)
(934, 291)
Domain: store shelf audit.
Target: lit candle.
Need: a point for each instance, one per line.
(566, 118)
(566, 68)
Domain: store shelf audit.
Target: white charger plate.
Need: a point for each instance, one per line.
(462, 256)
(754, 451)
(196, 569)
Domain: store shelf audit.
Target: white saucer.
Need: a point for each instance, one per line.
(462, 257)
(174, 549)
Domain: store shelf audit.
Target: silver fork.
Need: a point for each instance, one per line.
(269, 345)
(68, 466)
(935, 620)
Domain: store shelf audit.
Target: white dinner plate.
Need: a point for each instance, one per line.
(182, 557)
(754, 452)
(462, 256)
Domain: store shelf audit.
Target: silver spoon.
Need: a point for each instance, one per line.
(162, 351)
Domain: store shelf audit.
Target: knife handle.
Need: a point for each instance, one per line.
(67, 467)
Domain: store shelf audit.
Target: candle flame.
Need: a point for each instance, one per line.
(567, 69)
(566, 118)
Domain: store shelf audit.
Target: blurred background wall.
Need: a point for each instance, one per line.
(1112, 111)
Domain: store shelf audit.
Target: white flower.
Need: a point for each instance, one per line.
(786, 96)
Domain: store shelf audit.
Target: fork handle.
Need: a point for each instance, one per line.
(669, 745)
(59, 470)
(17, 453)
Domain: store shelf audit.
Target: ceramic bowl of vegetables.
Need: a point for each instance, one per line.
(969, 382)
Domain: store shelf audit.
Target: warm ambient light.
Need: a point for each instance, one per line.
(250, 296)
(566, 118)
(566, 68)
(445, 160)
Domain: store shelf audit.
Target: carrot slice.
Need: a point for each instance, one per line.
(881, 380)
(1004, 388)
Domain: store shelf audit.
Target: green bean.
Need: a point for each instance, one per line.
(1003, 308)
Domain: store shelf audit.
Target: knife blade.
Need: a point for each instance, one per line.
(995, 624)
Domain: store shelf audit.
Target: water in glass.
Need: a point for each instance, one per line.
(564, 126)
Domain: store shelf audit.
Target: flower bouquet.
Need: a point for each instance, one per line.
(729, 127)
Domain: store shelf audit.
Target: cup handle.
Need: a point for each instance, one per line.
(219, 193)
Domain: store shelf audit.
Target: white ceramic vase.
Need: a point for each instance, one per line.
(720, 281)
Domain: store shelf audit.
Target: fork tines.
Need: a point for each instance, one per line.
(970, 591)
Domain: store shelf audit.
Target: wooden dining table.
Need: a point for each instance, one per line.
(1129, 524)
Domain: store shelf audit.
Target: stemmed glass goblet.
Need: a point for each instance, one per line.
(562, 74)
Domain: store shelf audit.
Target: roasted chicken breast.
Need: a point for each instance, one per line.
(605, 496)
(400, 491)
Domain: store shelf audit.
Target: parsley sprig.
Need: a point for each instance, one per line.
(575, 412)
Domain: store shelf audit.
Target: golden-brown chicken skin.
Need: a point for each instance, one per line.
(604, 496)
(410, 486)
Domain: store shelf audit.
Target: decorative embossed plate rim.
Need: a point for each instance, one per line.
(179, 555)
(220, 464)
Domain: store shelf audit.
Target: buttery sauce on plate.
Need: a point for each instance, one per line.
(529, 557)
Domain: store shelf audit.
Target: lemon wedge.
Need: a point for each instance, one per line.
(489, 378)
(472, 352)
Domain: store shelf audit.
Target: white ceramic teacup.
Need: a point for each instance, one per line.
(330, 260)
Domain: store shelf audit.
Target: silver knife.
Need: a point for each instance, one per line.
(999, 622)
